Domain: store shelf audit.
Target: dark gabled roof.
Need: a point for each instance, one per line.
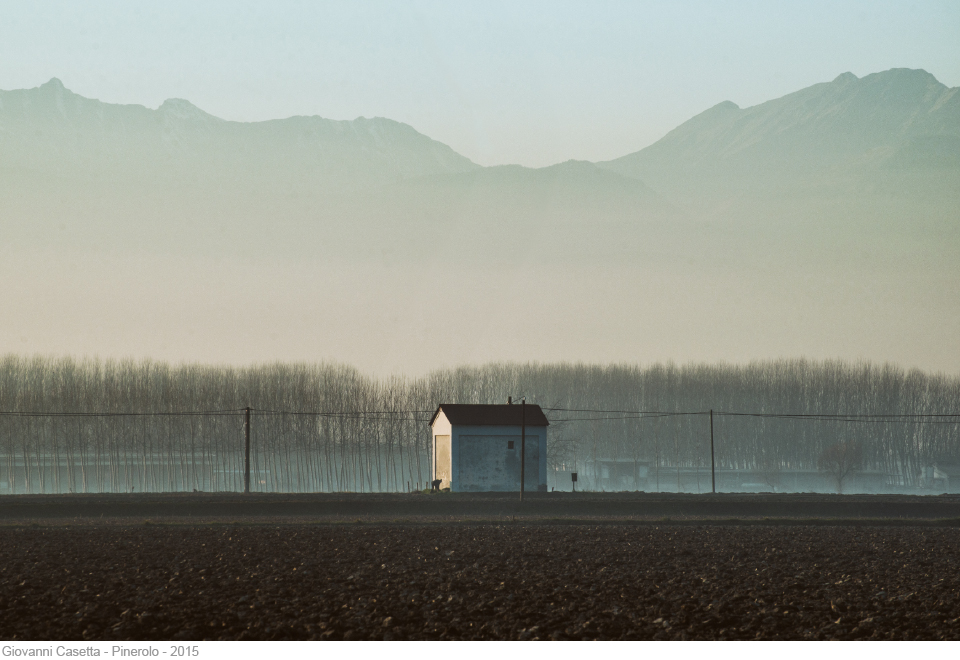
(477, 414)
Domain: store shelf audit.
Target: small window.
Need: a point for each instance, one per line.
(509, 444)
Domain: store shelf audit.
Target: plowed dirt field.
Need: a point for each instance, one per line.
(126, 580)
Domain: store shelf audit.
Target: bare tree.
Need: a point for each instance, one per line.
(841, 460)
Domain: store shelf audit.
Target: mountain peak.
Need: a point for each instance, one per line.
(53, 88)
(182, 109)
(909, 77)
(718, 111)
(725, 105)
(845, 79)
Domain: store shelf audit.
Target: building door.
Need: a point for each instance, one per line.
(442, 460)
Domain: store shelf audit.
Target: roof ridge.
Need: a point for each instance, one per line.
(491, 414)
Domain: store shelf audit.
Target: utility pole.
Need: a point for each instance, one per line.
(246, 450)
(523, 442)
(713, 465)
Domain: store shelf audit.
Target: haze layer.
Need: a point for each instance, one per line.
(822, 224)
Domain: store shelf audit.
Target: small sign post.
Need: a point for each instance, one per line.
(573, 479)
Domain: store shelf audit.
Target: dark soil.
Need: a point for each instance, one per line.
(413, 507)
(478, 581)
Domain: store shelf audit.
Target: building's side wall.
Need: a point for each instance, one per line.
(441, 425)
(442, 454)
(481, 459)
(443, 460)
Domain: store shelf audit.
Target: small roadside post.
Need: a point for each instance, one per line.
(573, 480)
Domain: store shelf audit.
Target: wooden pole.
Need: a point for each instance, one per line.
(246, 450)
(713, 466)
(523, 442)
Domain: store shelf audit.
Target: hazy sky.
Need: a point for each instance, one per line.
(501, 82)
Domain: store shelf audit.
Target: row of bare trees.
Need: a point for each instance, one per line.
(327, 427)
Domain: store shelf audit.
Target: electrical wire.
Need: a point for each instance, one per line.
(596, 415)
(186, 413)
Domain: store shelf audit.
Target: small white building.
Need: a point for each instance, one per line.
(476, 447)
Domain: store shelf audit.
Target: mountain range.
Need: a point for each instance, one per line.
(853, 141)
(52, 130)
(850, 181)
(897, 119)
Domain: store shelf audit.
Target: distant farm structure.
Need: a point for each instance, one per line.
(477, 447)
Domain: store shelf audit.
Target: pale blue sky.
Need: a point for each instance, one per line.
(501, 82)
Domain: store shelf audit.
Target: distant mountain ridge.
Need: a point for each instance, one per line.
(51, 129)
(848, 128)
(872, 159)
(900, 118)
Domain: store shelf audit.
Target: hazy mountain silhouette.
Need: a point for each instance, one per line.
(825, 223)
(52, 130)
(857, 172)
(179, 179)
(848, 132)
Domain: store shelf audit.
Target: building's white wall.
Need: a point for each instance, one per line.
(443, 460)
(441, 426)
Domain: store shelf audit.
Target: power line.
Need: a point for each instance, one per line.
(595, 419)
(929, 418)
(664, 413)
(186, 413)
(355, 413)
(844, 416)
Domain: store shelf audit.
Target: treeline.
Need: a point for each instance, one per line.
(327, 427)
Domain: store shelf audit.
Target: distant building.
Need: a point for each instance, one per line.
(944, 477)
(477, 447)
(614, 474)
